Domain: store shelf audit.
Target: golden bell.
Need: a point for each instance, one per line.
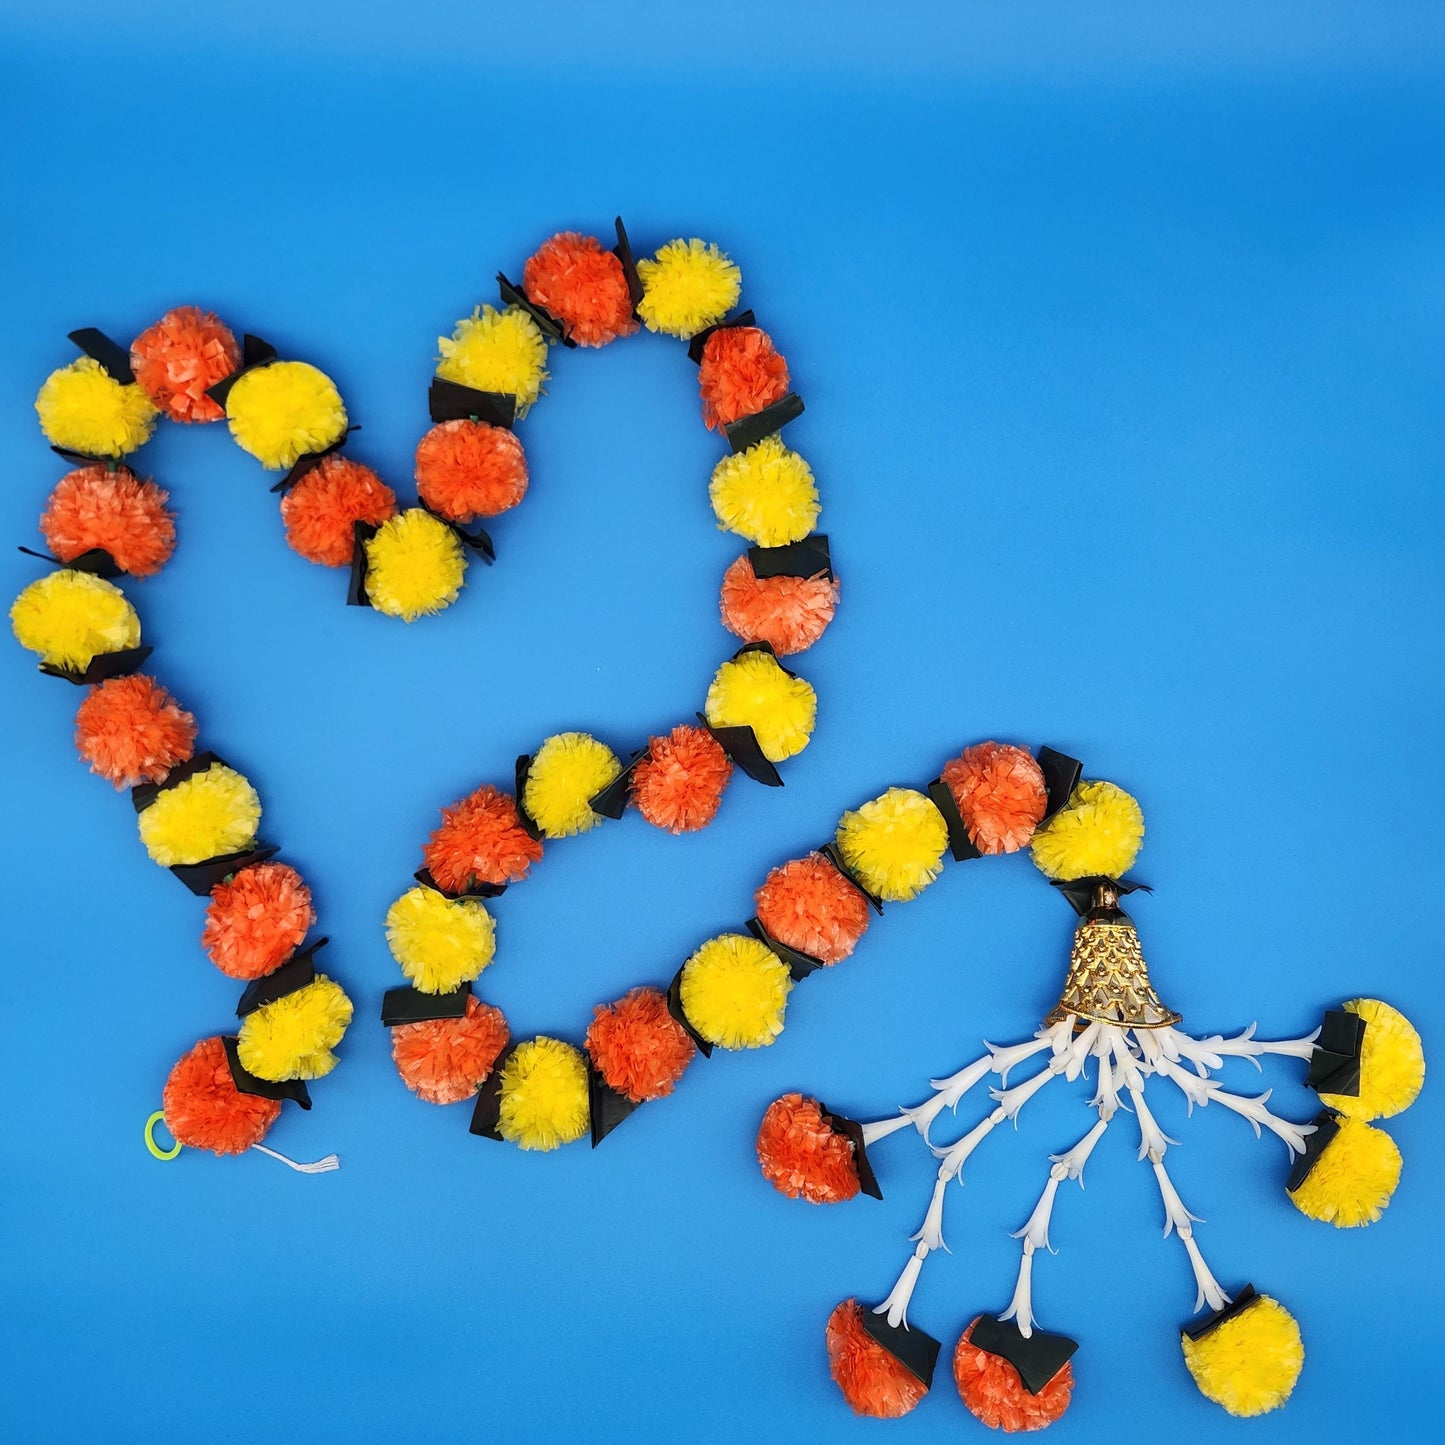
(1108, 978)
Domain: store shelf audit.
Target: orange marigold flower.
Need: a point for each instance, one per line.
(175, 360)
(810, 906)
(256, 922)
(679, 784)
(446, 1060)
(999, 790)
(803, 1156)
(480, 840)
(205, 1110)
(637, 1046)
(873, 1382)
(741, 373)
(467, 469)
(131, 730)
(583, 285)
(992, 1389)
(115, 511)
(321, 510)
(788, 613)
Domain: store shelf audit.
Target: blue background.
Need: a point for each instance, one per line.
(1120, 330)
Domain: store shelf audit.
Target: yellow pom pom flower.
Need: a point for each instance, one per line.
(686, 287)
(493, 350)
(766, 494)
(440, 943)
(293, 1036)
(69, 618)
(734, 992)
(894, 843)
(1353, 1179)
(415, 565)
(1098, 834)
(543, 1099)
(204, 816)
(1250, 1362)
(752, 690)
(568, 770)
(83, 408)
(283, 411)
(1392, 1064)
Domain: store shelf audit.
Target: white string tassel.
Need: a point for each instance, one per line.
(318, 1166)
(896, 1305)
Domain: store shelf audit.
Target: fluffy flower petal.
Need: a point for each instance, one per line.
(95, 507)
(131, 730)
(637, 1046)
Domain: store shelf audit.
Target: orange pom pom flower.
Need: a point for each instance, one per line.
(131, 731)
(803, 1156)
(809, 905)
(467, 469)
(637, 1046)
(95, 507)
(999, 790)
(481, 840)
(679, 784)
(583, 285)
(175, 360)
(204, 1109)
(873, 1381)
(788, 613)
(446, 1060)
(257, 921)
(741, 373)
(991, 1388)
(321, 510)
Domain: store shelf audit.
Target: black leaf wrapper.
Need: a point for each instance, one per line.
(89, 459)
(309, 461)
(623, 251)
(144, 794)
(742, 746)
(800, 965)
(488, 1110)
(97, 561)
(362, 533)
(852, 1130)
(606, 1107)
(1081, 891)
(1327, 1125)
(254, 353)
(298, 971)
(1241, 1302)
(451, 401)
(113, 357)
(808, 558)
(477, 539)
(914, 1350)
(201, 877)
(1335, 1063)
(1037, 1359)
(611, 801)
(1061, 777)
(103, 666)
(959, 843)
(674, 1007)
(698, 342)
(248, 1083)
(529, 826)
(411, 1006)
(831, 852)
(475, 887)
(547, 324)
(748, 431)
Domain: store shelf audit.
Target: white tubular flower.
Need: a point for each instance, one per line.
(1012, 1100)
(1129, 1071)
(1153, 1141)
(956, 1155)
(930, 1232)
(957, 1085)
(1080, 1047)
(1004, 1059)
(1106, 1096)
(1254, 1110)
(896, 1305)
(1176, 1216)
(878, 1129)
(1209, 1291)
(1197, 1088)
(1073, 1162)
(1021, 1306)
(1035, 1233)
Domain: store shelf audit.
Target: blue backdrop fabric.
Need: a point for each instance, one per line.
(1120, 330)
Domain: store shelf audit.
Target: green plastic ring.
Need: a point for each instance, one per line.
(150, 1138)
